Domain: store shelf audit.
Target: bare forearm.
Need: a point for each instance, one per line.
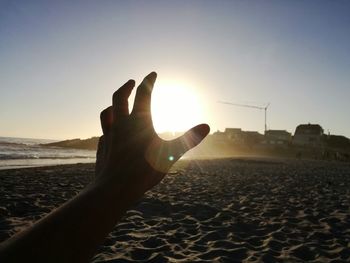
(72, 232)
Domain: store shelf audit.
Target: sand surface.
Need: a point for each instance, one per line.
(228, 210)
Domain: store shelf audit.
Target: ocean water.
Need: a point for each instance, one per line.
(23, 152)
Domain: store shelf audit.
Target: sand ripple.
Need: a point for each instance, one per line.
(227, 210)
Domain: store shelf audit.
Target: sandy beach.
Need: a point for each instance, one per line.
(223, 210)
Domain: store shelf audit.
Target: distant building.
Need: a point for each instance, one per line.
(234, 134)
(252, 137)
(337, 142)
(308, 135)
(219, 136)
(278, 137)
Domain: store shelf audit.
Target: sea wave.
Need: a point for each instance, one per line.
(17, 152)
(30, 152)
(27, 157)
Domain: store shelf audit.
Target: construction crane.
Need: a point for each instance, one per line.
(249, 106)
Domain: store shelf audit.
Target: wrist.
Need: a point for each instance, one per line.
(115, 191)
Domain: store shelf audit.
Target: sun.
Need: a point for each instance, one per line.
(175, 107)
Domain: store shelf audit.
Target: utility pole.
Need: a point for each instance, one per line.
(265, 109)
(250, 106)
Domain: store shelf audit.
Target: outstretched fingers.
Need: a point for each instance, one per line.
(120, 101)
(106, 118)
(142, 104)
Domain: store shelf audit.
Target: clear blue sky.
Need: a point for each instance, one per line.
(60, 61)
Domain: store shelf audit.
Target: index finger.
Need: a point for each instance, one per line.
(142, 104)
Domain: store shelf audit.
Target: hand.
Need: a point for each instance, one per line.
(131, 159)
(130, 153)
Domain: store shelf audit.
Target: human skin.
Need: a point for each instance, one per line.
(131, 159)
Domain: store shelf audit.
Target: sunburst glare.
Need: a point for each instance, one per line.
(175, 107)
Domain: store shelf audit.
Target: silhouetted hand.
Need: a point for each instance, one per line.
(130, 153)
(131, 159)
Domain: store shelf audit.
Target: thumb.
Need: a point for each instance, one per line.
(161, 155)
(189, 140)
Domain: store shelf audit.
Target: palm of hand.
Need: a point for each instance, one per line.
(130, 151)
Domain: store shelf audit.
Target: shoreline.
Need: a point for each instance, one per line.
(32, 163)
(187, 158)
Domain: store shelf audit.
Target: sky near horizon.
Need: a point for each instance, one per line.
(61, 61)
